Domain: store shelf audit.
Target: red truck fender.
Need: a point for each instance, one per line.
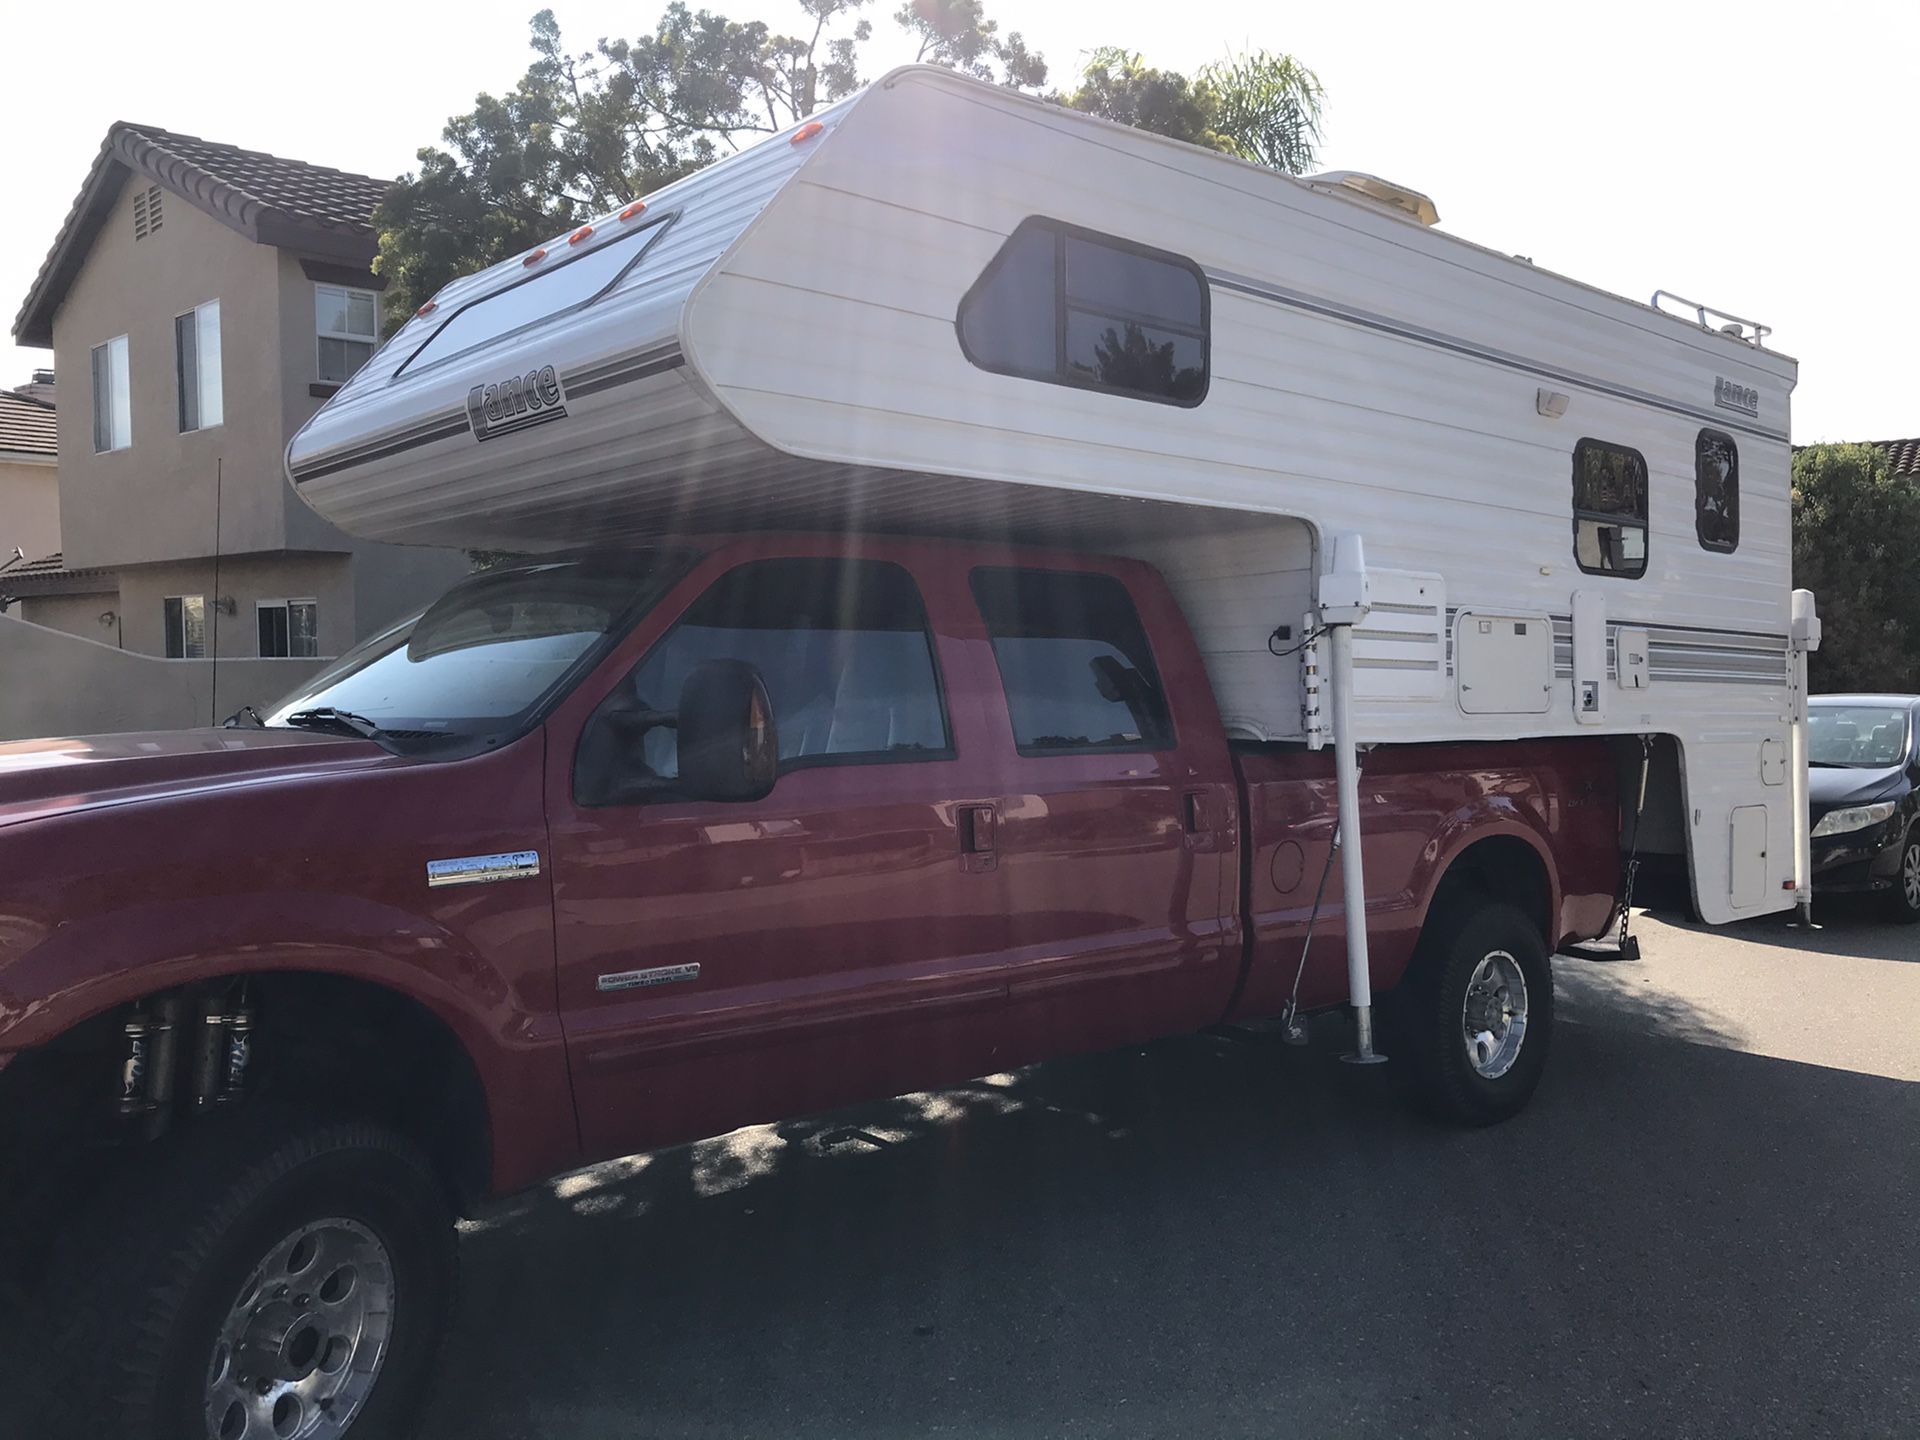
(94, 965)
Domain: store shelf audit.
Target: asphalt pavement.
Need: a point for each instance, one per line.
(1705, 1225)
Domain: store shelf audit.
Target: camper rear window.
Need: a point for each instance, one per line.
(1716, 491)
(569, 284)
(1072, 307)
(1609, 509)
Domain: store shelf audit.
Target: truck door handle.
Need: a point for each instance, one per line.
(1193, 812)
(979, 838)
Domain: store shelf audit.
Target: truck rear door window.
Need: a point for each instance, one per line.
(1074, 661)
(844, 649)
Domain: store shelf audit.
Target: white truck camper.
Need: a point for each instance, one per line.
(1406, 488)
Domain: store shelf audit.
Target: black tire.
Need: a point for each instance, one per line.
(1902, 904)
(147, 1281)
(1430, 1006)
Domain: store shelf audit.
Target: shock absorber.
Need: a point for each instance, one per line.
(133, 1068)
(239, 1052)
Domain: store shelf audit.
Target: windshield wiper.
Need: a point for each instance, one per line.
(325, 717)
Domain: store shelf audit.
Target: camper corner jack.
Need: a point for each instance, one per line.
(1345, 599)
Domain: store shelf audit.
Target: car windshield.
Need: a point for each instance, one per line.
(488, 653)
(1866, 736)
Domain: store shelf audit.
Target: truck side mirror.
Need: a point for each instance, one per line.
(729, 745)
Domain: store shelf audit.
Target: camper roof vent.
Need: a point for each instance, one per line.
(1383, 195)
(1708, 318)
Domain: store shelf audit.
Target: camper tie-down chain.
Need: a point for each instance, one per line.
(1633, 851)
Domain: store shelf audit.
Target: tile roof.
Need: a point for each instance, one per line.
(273, 201)
(1902, 455)
(26, 426)
(47, 565)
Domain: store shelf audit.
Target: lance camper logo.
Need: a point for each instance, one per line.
(516, 403)
(1730, 396)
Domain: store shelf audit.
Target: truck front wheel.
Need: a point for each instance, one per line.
(1475, 1016)
(262, 1280)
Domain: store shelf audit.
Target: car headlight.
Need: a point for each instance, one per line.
(1854, 817)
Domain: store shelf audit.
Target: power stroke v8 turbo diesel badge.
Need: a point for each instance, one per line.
(516, 403)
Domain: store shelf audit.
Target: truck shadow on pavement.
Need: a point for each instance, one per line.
(1228, 1237)
(1842, 925)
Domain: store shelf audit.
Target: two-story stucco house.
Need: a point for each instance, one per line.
(201, 301)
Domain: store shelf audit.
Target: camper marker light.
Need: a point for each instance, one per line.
(806, 132)
(581, 234)
(535, 258)
(428, 308)
(638, 207)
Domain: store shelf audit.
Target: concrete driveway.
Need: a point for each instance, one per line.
(1707, 1224)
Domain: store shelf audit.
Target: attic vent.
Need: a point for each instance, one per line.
(146, 212)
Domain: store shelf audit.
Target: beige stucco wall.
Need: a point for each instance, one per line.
(326, 579)
(81, 687)
(155, 499)
(29, 509)
(74, 614)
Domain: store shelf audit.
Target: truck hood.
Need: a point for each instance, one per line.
(49, 777)
(1830, 786)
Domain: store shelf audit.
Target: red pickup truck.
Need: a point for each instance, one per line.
(610, 851)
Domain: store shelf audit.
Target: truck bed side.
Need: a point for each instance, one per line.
(1544, 812)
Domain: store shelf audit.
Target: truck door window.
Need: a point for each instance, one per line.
(1716, 491)
(1074, 661)
(844, 649)
(1609, 509)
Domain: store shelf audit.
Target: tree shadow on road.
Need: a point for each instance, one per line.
(1213, 1236)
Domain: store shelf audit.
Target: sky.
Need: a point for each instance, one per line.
(1759, 158)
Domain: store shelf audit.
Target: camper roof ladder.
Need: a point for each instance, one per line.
(1708, 318)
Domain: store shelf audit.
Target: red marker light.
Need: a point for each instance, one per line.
(535, 258)
(581, 234)
(806, 132)
(638, 207)
(428, 308)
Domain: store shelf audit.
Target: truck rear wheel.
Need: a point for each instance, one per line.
(1475, 1016)
(262, 1282)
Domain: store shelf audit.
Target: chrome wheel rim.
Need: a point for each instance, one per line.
(1493, 1018)
(1910, 874)
(305, 1337)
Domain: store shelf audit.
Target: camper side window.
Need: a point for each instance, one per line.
(1072, 307)
(1716, 491)
(1609, 509)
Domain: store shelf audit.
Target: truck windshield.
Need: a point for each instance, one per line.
(485, 658)
(1866, 736)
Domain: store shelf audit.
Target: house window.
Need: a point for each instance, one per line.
(1073, 661)
(289, 629)
(349, 325)
(1716, 491)
(112, 402)
(1072, 307)
(186, 626)
(196, 347)
(1609, 509)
